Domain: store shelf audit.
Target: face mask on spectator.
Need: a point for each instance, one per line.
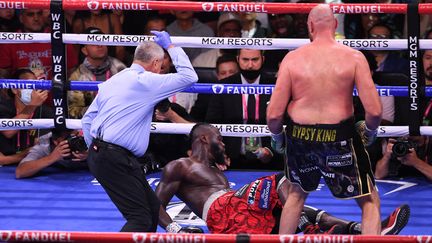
(250, 74)
(26, 96)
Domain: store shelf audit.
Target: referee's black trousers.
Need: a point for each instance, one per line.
(120, 174)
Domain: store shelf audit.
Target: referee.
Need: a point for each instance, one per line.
(116, 127)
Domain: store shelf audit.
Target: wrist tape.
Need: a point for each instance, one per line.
(278, 136)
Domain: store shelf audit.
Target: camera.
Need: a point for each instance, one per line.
(402, 146)
(77, 143)
(163, 105)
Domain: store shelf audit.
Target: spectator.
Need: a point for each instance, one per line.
(228, 25)
(186, 25)
(69, 16)
(425, 23)
(54, 149)
(152, 22)
(361, 24)
(97, 66)
(387, 61)
(281, 26)
(300, 25)
(427, 66)
(8, 20)
(106, 21)
(37, 56)
(251, 27)
(226, 65)
(21, 104)
(354, 24)
(249, 152)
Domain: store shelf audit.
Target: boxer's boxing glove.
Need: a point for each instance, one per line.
(367, 135)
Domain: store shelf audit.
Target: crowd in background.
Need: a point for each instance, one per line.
(244, 66)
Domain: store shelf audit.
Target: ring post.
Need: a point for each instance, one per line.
(416, 84)
(59, 80)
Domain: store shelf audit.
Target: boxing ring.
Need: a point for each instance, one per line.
(72, 207)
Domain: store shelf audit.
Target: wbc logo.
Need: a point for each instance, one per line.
(217, 88)
(207, 7)
(93, 5)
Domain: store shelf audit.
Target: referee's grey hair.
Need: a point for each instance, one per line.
(147, 51)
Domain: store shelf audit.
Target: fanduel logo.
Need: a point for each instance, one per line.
(207, 7)
(93, 5)
(5, 235)
(217, 88)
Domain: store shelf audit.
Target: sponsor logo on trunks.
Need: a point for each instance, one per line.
(350, 188)
(240, 192)
(339, 160)
(308, 169)
(328, 175)
(252, 192)
(234, 7)
(314, 134)
(265, 194)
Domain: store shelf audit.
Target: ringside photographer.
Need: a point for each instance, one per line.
(164, 148)
(60, 148)
(407, 156)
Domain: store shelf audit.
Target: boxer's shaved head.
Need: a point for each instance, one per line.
(321, 18)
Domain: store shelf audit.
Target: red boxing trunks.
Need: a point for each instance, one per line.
(247, 210)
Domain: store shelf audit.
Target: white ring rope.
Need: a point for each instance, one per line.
(230, 130)
(207, 42)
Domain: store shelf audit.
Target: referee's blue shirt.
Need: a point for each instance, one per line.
(121, 112)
